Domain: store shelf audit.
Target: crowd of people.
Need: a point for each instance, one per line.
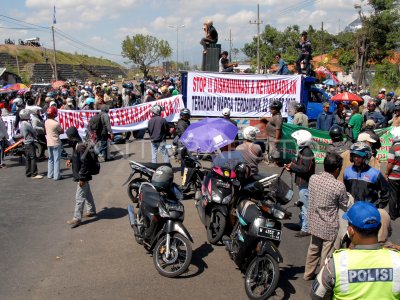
(352, 178)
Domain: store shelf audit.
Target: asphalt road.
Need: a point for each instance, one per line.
(41, 257)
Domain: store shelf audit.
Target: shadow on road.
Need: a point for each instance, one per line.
(197, 261)
(287, 274)
(108, 214)
(292, 226)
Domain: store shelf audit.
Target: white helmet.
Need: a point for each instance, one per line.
(250, 132)
(156, 109)
(226, 112)
(25, 114)
(302, 137)
(18, 101)
(395, 133)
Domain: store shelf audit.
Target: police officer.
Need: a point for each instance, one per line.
(365, 272)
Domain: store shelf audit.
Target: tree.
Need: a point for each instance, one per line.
(145, 50)
(379, 34)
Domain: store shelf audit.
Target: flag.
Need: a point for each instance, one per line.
(54, 15)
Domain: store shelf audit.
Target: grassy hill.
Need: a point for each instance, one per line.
(27, 54)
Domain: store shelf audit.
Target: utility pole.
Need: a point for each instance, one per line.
(230, 44)
(55, 55)
(322, 38)
(258, 22)
(16, 57)
(177, 42)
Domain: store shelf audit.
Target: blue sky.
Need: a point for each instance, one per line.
(103, 24)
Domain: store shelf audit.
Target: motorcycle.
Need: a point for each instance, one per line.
(157, 224)
(254, 241)
(17, 147)
(217, 195)
(145, 171)
(192, 174)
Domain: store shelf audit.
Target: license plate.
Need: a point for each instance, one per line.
(269, 233)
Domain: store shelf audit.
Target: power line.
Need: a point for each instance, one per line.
(31, 24)
(67, 36)
(22, 28)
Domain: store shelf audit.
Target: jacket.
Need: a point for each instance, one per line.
(158, 128)
(181, 126)
(304, 167)
(367, 185)
(80, 170)
(325, 121)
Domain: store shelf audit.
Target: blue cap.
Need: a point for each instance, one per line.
(363, 215)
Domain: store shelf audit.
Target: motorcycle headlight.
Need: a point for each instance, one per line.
(278, 213)
(216, 198)
(163, 212)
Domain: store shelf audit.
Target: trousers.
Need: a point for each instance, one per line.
(53, 164)
(30, 160)
(83, 195)
(318, 251)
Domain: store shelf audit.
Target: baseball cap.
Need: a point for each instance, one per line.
(365, 137)
(354, 103)
(363, 215)
(370, 123)
(326, 104)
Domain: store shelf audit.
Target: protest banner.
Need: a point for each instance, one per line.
(123, 119)
(246, 95)
(321, 141)
(9, 121)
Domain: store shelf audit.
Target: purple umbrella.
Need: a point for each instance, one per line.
(208, 135)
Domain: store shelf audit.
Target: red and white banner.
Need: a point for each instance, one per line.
(123, 119)
(246, 95)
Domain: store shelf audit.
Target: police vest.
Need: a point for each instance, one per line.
(367, 274)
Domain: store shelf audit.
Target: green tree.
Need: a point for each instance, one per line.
(145, 50)
(379, 34)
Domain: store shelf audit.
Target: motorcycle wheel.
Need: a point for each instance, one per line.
(133, 189)
(180, 257)
(216, 227)
(138, 217)
(261, 277)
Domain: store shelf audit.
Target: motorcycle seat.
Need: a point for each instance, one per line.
(154, 166)
(150, 196)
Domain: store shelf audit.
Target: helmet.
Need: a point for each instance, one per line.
(302, 137)
(89, 100)
(114, 88)
(391, 94)
(276, 105)
(18, 101)
(25, 114)
(377, 101)
(156, 109)
(185, 112)
(226, 112)
(243, 171)
(250, 132)
(162, 177)
(51, 112)
(50, 94)
(361, 149)
(336, 133)
(129, 85)
(300, 107)
(395, 133)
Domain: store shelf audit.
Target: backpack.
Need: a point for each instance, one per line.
(96, 125)
(92, 159)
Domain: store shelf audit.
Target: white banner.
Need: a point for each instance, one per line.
(9, 122)
(123, 119)
(246, 95)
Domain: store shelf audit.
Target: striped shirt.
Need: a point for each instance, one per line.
(394, 158)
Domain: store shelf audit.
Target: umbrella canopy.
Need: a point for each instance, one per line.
(346, 96)
(57, 84)
(17, 87)
(330, 82)
(208, 135)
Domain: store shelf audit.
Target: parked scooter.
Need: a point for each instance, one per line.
(193, 174)
(253, 244)
(145, 171)
(18, 148)
(217, 195)
(157, 223)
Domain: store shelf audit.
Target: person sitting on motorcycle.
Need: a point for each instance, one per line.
(362, 181)
(338, 144)
(182, 124)
(252, 152)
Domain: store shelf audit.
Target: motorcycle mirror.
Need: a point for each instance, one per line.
(298, 204)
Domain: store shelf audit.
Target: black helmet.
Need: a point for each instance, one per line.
(243, 171)
(300, 107)
(336, 133)
(276, 105)
(361, 149)
(185, 112)
(162, 177)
